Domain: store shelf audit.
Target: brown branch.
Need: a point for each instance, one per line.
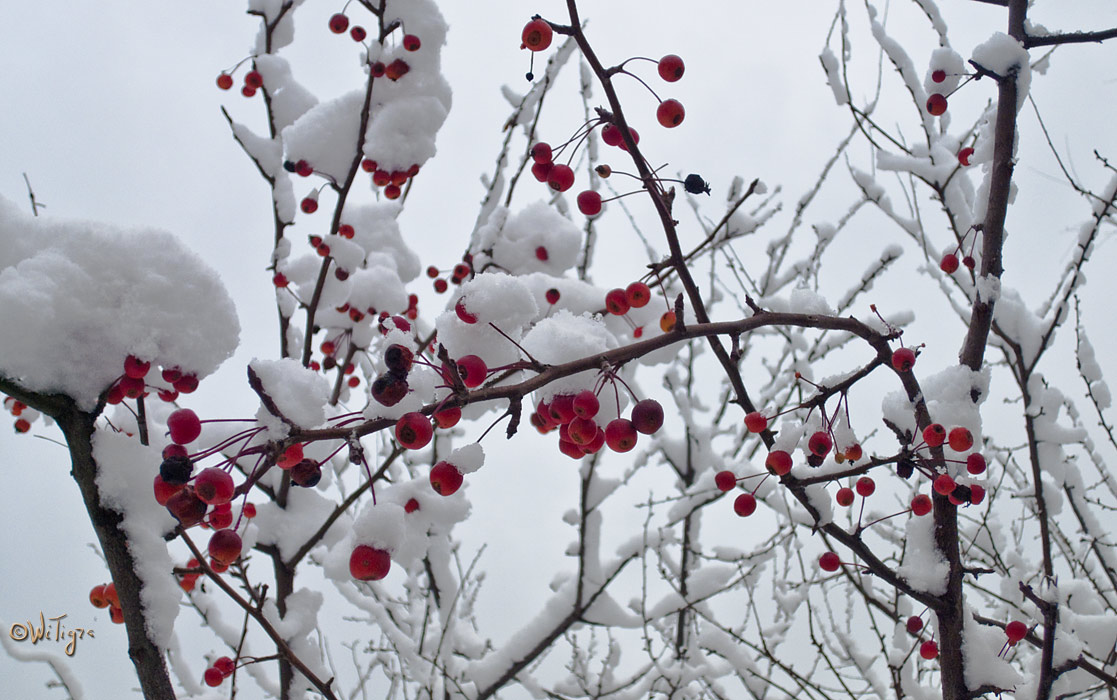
(1070, 38)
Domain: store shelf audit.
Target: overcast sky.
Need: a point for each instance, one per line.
(111, 111)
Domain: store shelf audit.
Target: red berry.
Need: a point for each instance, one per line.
(413, 430)
(463, 313)
(944, 484)
(472, 370)
(562, 408)
(22, 425)
(133, 388)
(392, 192)
(187, 508)
(725, 480)
(671, 67)
(853, 452)
(224, 81)
(346, 231)
(620, 435)
(647, 416)
(213, 677)
(440, 286)
(960, 439)
(586, 404)
(977, 494)
(339, 23)
(447, 417)
(541, 153)
(397, 69)
(820, 443)
(541, 254)
(616, 302)
(378, 69)
(975, 463)
(903, 359)
(611, 135)
(929, 650)
(949, 263)
(844, 496)
(309, 205)
(829, 561)
(249, 510)
(934, 435)
(432, 272)
(541, 171)
(369, 563)
(97, 597)
(411, 506)
(253, 79)
(964, 155)
(589, 202)
(667, 321)
(778, 462)
(225, 665)
(938, 76)
(184, 426)
(445, 478)
(164, 491)
(1015, 631)
(213, 485)
(248, 91)
(969, 261)
(914, 624)
(411, 42)
(865, 486)
(670, 113)
(756, 422)
(581, 431)
(638, 295)
(560, 178)
(744, 505)
(921, 504)
(537, 35)
(936, 104)
(358, 33)
(552, 296)
(225, 546)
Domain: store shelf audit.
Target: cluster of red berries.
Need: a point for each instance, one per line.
(18, 409)
(949, 262)
(221, 669)
(253, 81)
(132, 384)
(190, 502)
(104, 596)
(339, 22)
(392, 180)
(580, 435)
(461, 272)
(636, 296)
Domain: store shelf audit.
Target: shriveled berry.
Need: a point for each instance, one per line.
(306, 473)
(175, 470)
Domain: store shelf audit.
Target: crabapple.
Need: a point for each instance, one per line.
(447, 417)
(960, 439)
(929, 650)
(358, 33)
(224, 81)
(975, 463)
(214, 486)
(647, 416)
(562, 408)
(163, 490)
(176, 469)
(671, 68)
(388, 389)
(397, 69)
(414, 430)
(540, 171)
(914, 624)
(463, 313)
(541, 152)
(667, 321)
(586, 404)
(445, 478)
(136, 368)
(725, 480)
(339, 23)
(620, 435)
(865, 486)
(541, 254)
(756, 422)
(225, 546)
(1015, 631)
(472, 370)
(844, 496)
(638, 295)
(225, 665)
(778, 462)
(934, 435)
(97, 597)
(670, 113)
(213, 677)
(944, 484)
(187, 508)
(820, 443)
(936, 105)
(616, 302)
(938, 76)
(306, 473)
(921, 504)
(253, 79)
(411, 506)
(560, 178)
(903, 359)
(949, 263)
(589, 202)
(829, 561)
(552, 295)
(537, 35)
(411, 42)
(744, 505)
(369, 563)
(964, 155)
